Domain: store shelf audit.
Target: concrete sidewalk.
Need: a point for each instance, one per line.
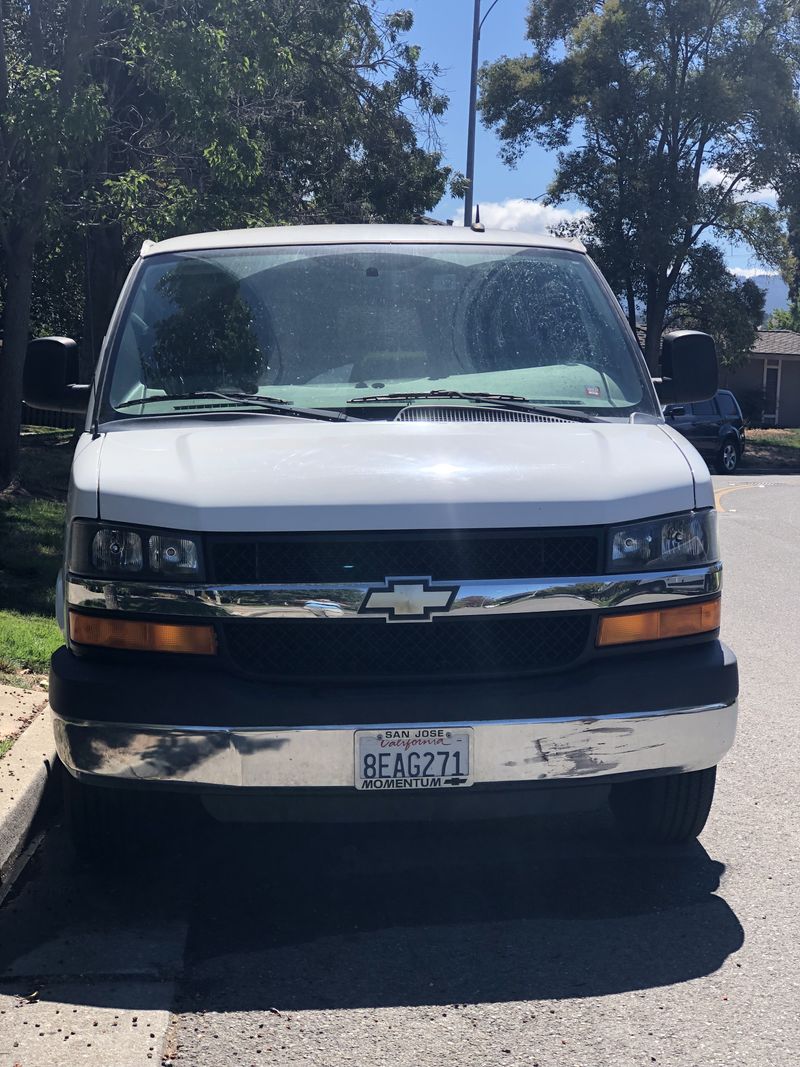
(26, 770)
(18, 709)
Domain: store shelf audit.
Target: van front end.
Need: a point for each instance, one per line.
(381, 521)
(317, 695)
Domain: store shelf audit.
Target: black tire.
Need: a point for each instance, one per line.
(667, 810)
(101, 822)
(728, 456)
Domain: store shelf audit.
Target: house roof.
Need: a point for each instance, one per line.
(777, 342)
(768, 342)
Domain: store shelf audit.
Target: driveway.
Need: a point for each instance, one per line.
(552, 943)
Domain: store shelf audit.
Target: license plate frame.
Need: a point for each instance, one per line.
(401, 753)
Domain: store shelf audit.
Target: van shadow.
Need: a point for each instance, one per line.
(410, 915)
(365, 917)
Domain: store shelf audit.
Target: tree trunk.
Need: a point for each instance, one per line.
(631, 298)
(794, 247)
(656, 311)
(19, 264)
(105, 273)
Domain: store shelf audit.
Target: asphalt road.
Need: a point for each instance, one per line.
(547, 944)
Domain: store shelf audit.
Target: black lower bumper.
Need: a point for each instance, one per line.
(188, 695)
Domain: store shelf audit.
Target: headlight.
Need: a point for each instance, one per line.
(686, 540)
(112, 550)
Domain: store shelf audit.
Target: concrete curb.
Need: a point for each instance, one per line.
(26, 773)
(762, 472)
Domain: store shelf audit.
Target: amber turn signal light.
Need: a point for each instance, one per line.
(660, 624)
(142, 636)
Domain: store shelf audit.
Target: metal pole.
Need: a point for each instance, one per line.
(473, 99)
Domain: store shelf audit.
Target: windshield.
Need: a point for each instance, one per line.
(325, 326)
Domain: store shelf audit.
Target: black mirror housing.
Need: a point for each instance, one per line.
(688, 366)
(50, 376)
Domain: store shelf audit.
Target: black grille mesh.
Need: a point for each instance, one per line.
(366, 650)
(454, 555)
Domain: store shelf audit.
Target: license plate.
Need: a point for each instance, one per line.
(427, 757)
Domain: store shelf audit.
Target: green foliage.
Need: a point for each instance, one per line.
(641, 100)
(251, 112)
(785, 318)
(45, 119)
(121, 121)
(708, 297)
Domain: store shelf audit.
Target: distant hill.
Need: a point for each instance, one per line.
(776, 291)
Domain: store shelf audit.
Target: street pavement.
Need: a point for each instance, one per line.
(542, 944)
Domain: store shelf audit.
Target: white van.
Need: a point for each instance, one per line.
(376, 521)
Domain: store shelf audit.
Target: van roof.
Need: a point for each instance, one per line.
(275, 236)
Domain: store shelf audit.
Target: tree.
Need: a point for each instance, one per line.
(245, 112)
(683, 108)
(158, 118)
(708, 297)
(48, 106)
(785, 318)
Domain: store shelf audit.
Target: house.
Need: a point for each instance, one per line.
(771, 377)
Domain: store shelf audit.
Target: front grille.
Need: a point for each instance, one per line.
(376, 649)
(444, 555)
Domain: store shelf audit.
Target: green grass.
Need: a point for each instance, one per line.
(5, 746)
(31, 548)
(27, 641)
(776, 438)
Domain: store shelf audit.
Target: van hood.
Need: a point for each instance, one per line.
(263, 474)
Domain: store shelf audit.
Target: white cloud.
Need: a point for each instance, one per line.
(517, 214)
(753, 272)
(744, 192)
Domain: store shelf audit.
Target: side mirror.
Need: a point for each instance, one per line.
(674, 411)
(688, 366)
(49, 379)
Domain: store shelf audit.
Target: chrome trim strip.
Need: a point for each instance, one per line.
(509, 750)
(344, 600)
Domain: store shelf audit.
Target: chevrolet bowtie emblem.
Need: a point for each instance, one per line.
(408, 599)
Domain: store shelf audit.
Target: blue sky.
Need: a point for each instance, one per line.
(443, 29)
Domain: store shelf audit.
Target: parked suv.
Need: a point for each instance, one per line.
(385, 522)
(715, 427)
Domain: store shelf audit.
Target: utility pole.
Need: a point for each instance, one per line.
(477, 25)
(473, 100)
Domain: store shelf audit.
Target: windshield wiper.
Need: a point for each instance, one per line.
(272, 404)
(500, 400)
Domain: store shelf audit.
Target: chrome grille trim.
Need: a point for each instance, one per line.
(328, 602)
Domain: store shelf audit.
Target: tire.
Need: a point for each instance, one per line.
(667, 810)
(728, 457)
(101, 822)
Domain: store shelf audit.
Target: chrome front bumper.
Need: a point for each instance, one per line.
(533, 750)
